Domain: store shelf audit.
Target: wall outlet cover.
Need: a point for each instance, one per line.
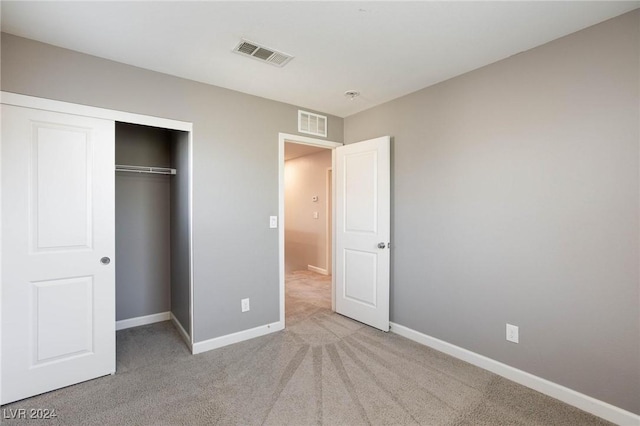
(512, 333)
(244, 304)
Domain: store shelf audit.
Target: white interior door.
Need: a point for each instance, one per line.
(363, 231)
(58, 287)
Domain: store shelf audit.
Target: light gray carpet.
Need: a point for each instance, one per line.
(323, 369)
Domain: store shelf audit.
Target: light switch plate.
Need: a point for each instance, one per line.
(273, 221)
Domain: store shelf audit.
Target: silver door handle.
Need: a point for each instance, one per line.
(105, 260)
(381, 245)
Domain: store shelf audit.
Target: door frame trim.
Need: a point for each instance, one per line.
(303, 140)
(15, 99)
(328, 256)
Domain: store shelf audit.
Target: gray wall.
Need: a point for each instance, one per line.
(235, 168)
(516, 199)
(305, 241)
(180, 274)
(142, 223)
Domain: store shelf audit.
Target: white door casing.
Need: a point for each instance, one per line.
(58, 299)
(363, 228)
(329, 223)
(282, 139)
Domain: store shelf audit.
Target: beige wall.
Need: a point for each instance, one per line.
(305, 237)
(516, 199)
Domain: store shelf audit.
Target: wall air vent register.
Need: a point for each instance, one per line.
(312, 124)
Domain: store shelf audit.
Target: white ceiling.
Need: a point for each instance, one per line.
(382, 49)
(295, 150)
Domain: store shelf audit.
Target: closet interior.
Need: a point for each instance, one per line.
(152, 225)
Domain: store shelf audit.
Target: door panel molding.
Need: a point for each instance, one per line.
(50, 315)
(47, 232)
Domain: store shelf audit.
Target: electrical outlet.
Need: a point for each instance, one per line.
(244, 303)
(315, 215)
(273, 221)
(512, 333)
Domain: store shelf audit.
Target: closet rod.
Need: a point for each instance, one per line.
(145, 169)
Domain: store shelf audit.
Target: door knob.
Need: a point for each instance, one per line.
(381, 245)
(105, 260)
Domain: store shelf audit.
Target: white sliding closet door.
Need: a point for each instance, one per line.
(58, 280)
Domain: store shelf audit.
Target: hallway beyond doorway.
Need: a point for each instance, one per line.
(306, 293)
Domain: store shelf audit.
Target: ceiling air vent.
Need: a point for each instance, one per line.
(312, 124)
(262, 53)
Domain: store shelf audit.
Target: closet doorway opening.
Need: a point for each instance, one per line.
(153, 227)
(306, 225)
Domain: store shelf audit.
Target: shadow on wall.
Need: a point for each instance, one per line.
(301, 249)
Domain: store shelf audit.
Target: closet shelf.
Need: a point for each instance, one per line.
(145, 169)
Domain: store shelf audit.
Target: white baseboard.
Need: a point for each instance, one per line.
(584, 402)
(183, 333)
(318, 270)
(138, 321)
(240, 336)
